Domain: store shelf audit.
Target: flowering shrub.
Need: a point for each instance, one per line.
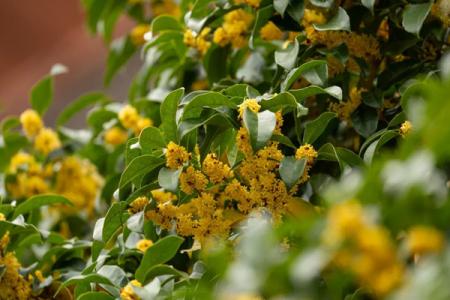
(267, 150)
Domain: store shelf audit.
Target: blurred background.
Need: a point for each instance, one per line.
(34, 35)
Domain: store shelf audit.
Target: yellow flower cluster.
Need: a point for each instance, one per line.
(422, 240)
(345, 109)
(137, 34)
(130, 119)
(30, 176)
(234, 29)
(165, 7)
(138, 205)
(198, 41)
(79, 181)
(127, 293)
(45, 139)
(251, 104)
(192, 180)
(362, 247)
(252, 3)
(405, 128)
(441, 10)
(307, 152)
(13, 286)
(270, 32)
(216, 170)
(115, 136)
(176, 156)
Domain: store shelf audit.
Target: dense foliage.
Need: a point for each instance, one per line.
(267, 150)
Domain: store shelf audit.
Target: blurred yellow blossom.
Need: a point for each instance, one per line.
(46, 141)
(31, 122)
(144, 244)
(270, 32)
(424, 239)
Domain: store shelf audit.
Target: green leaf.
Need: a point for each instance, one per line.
(291, 170)
(369, 4)
(365, 120)
(312, 90)
(322, 3)
(315, 128)
(210, 99)
(168, 179)
(95, 296)
(80, 279)
(79, 104)
(262, 16)
(340, 21)
(165, 22)
(138, 167)
(42, 95)
(121, 50)
(314, 71)
(215, 63)
(414, 15)
(38, 201)
(342, 156)
(260, 127)
(169, 114)
(151, 139)
(159, 270)
(161, 252)
(287, 57)
(113, 221)
(280, 6)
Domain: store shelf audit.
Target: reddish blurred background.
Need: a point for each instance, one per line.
(34, 35)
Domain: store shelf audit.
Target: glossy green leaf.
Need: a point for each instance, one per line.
(414, 15)
(315, 128)
(113, 221)
(280, 6)
(38, 201)
(260, 127)
(95, 296)
(287, 57)
(168, 179)
(291, 170)
(314, 71)
(151, 139)
(340, 21)
(168, 111)
(138, 167)
(165, 22)
(194, 108)
(42, 95)
(312, 90)
(161, 252)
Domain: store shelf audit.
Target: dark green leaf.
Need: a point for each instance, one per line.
(38, 201)
(260, 127)
(414, 15)
(79, 104)
(151, 139)
(161, 252)
(291, 170)
(169, 114)
(113, 221)
(42, 95)
(314, 71)
(315, 128)
(138, 167)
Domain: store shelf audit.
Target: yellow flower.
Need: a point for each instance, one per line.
(216, 170)
(2, 217)
(137, 34)
(176, 156)
(138, 204)
(191, 180)
(251, 104)
(161, 197)
(127, 293)
(189, 38)
(270, 32)
(165, 7)
(243, 141)
(142, 124)
(424, 239)
(345, 109)
(46, 141)
(129, 117)
(235, 26)
(199, 85)
(306, 151)
(22, 160)
(143, 245)
(31, 122)
(199, 41)
(383, 30)
(38, 274)
(253, 3)
(115, 136)
(405, 128)
(221, 37)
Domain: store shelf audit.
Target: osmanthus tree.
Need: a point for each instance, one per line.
(268, 149)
